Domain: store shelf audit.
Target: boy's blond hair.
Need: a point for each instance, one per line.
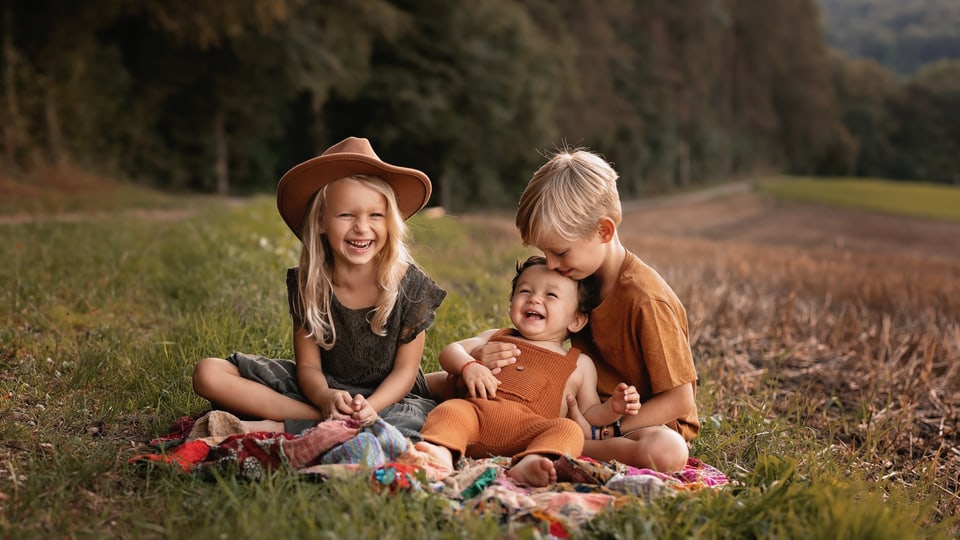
(568, 195)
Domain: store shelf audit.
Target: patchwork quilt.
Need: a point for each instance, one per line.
(337, 448)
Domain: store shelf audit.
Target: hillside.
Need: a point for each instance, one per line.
(899, 34)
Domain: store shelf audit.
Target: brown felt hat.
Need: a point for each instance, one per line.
(351, 156)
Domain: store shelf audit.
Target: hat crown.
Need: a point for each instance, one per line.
(353, 145)
(349, 157)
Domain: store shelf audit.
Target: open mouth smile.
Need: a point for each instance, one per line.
(356, 244)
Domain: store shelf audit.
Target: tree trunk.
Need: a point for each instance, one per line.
(683, 163)
(53, 125)
(222, 160)
(11, 125)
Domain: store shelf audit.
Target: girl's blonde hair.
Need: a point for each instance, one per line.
(315, 276)
(568, 195)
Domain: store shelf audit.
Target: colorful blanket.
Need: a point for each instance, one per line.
(336, 448)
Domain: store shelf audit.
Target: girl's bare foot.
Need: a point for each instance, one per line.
(271, 426)
(533, 470)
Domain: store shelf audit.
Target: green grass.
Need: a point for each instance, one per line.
(101, 323)
(934, 201)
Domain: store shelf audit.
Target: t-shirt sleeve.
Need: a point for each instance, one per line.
(665, 346)
(420, 297)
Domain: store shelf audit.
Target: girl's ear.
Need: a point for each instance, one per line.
(607, 229)
(579, 321)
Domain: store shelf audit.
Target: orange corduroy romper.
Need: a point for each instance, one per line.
(523, 418)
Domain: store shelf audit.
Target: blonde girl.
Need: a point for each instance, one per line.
(359, 303)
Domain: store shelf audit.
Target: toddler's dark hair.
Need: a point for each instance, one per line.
(586, 291)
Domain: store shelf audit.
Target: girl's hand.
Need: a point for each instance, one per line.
(625, 400)
(479, 380)
(363, 412)
(335, 404)
(496, 355)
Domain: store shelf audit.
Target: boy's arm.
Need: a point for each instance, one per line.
(496, 355)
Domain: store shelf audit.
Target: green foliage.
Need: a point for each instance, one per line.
(906, 198)
(901, 35)
(225, 97)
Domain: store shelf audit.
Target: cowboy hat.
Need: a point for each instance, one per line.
(351, 156)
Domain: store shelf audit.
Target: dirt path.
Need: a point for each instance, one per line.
(736, 214)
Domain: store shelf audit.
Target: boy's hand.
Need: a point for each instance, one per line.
(573, 413)
(625, 400)
(362, 411)
(496, 355)
(479, 381)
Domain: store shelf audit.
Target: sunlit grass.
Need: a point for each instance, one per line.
(935, 201)
(102, 321)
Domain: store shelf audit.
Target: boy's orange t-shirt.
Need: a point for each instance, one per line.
(638, 335)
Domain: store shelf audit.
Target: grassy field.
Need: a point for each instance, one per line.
(907, 198)
(829, 373)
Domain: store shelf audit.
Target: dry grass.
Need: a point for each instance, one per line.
(847, 321)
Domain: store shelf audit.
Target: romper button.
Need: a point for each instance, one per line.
(519, 368)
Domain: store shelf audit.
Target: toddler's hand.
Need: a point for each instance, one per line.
(496, 355)
(625, 400)
(479, 381)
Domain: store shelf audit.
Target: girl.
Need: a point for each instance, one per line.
(359, 303)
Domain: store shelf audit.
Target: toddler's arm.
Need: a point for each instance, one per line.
(625, 399)
(478, 379)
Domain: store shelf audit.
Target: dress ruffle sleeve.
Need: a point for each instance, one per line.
(419, 299)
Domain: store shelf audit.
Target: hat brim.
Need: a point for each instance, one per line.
(298, 186)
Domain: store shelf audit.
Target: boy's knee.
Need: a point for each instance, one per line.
(671, 451)
(663, 450)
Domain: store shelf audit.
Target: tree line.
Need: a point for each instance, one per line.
(225, 96)
(902, 35)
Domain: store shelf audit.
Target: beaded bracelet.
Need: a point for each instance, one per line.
(600, 430)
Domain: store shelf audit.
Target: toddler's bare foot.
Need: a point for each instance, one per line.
(442, 459)
(533, 470)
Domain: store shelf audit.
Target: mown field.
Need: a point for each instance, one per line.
(827, 341)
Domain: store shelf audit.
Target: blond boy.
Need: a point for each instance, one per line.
(637, 333)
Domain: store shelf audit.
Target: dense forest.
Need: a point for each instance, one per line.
(225, 96)
(902, 35)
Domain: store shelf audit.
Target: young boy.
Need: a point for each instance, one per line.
(637, 333)
(521, 412)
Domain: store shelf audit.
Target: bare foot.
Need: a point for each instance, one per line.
(533, 470)
(271, 426)
(441, 457)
